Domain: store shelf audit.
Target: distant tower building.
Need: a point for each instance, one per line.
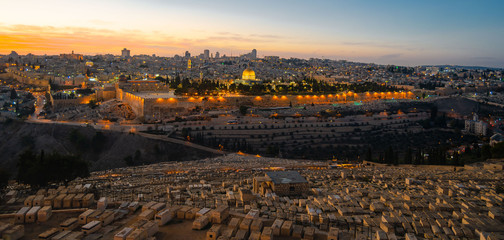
(125, 53)
(217, 55)
(189, 64)
(253, 54)
(72, 56)
(206, 54)
(187, 54)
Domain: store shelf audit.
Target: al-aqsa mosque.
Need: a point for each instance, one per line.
(248, 78)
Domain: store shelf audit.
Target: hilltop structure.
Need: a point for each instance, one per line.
(248, 78)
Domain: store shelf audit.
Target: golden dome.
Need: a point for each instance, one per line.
(248, 74)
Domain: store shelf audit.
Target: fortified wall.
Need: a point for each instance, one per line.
(153, 105)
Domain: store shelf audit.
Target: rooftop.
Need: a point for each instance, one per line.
(285, 177)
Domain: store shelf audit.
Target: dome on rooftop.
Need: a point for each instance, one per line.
(248, 74)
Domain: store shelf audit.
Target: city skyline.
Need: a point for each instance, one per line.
(390, 32)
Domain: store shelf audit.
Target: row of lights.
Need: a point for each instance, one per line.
(259, 98)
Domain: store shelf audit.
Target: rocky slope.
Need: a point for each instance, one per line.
(103, 150)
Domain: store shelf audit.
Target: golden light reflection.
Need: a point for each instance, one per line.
(110, 175)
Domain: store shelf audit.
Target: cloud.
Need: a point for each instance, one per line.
(356, 43)
(372, 44)
(52, 40)
(100, 22)
(266, 36)
(88, 40)
(228, 34)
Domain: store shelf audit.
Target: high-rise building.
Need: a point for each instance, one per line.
(253, 54)
(217, 55)
(187, 54)
(206, 54)
(125, 53)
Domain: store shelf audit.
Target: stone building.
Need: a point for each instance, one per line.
(282, 183)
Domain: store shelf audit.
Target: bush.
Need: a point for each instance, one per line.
(4, 178)
(39, 170)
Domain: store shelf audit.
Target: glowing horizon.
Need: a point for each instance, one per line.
(384, 32)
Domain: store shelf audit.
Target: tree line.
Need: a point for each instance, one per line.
(41, 169)
(436, 155)
(305, 86)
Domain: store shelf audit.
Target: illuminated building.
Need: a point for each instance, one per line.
(189, 64)
(248, 78)
(158, 105)
(248, 74)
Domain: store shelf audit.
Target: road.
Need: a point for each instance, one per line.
(39, 105)
(185, 143)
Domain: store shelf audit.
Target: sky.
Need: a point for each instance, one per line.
(426, 32)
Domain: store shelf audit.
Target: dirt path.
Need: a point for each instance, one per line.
(177, 141)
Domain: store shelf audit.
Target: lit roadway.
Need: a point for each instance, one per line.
(39, 104)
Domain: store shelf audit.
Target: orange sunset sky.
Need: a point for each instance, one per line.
(387, 32)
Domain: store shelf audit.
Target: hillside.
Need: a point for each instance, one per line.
(103, 150)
